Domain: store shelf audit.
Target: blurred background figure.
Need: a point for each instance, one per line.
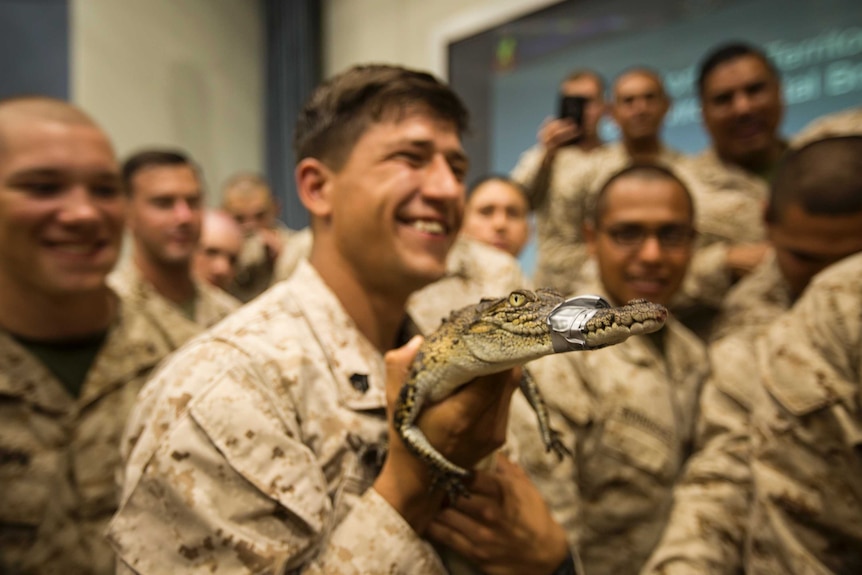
(496, 213)
(166, 194)
(629, 412)
(742, 109)
(639, 107)
(547, 170)
(248, 198)
(73, 356)
(844, 123)
(217, 256)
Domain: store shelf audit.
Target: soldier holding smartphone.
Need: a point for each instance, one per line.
(563, 144)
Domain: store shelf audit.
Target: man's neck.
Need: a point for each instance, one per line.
(378, 316)
(590, 144)
(643, 150)
(38, 316)
(762, 163)
(173, 282)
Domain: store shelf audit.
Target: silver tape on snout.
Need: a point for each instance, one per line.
(568, 319)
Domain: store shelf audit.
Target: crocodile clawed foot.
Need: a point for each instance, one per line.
(453, 484)
(557, 446)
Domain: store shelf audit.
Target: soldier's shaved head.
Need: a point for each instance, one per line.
(29, 108)
(823, 177)
(640, 71)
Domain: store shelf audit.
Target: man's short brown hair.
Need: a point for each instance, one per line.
(341, 109)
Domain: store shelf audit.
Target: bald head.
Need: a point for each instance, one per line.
(248, 199)
(640, 72)
(218, 251)
(27, 109)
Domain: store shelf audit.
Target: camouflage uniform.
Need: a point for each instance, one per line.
(729, 204)
(555, 235)
(211, 303)
(844, 123)
(296, 248)
(474, 271)
(755, 301)
(627, 412)
(260, 442)
(60, 457)
(707, 527)
(255, 269)
(807, 433)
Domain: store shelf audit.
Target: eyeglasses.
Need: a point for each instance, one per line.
(633, 236)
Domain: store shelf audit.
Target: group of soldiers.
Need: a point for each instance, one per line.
(218, 402)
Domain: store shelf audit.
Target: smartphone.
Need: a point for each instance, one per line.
(573, 107)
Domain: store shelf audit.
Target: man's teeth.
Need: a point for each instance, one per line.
(432, 227)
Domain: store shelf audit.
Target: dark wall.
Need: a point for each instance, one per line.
(34, 47)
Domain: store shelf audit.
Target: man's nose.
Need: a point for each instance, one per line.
(650, 249)
(441, 182)
(79, 206)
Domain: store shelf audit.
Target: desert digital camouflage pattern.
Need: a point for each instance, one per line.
(755, 301)
(729, 204)
(627, 413)
(211, 303)
(708, 525)
(844, 123)
(807, 437)
(61, 461)
(555, 235)
(255, 447)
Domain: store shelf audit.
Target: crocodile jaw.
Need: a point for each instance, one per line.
(615, 325)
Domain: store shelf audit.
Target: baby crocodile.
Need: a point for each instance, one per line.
(495, 335)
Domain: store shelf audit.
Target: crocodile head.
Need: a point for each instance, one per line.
(512, 330)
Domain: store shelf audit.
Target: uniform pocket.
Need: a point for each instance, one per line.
(640, 441)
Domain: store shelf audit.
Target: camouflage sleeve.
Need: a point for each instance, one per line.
(808, 432)
(230, 487)
(562, 251)
(706, 529)
(708, 279)
(534, 174)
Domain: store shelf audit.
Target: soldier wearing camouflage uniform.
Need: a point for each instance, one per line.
(814, 219)
(210, 304)
(547, 170)
(258, 448)
(249, 199)
(72, 356)
(741, 103)
(807, 433)
(165, 193)
(628, 415)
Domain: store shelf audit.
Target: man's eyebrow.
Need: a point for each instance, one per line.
(62, 174)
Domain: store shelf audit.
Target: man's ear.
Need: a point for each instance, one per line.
(314, 186)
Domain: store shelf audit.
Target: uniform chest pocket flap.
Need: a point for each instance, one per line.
(640, 441)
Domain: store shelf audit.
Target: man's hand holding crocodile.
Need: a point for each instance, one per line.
(496, 335)
(466, 427)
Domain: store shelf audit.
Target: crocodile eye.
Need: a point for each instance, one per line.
(517, 299)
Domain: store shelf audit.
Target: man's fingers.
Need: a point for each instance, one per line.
(397, 365)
